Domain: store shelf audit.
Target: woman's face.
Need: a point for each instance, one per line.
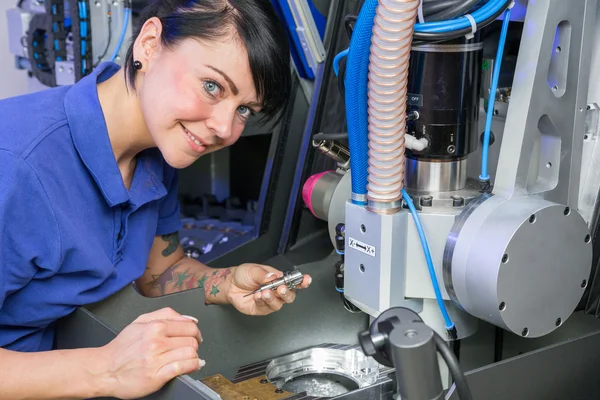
(195, 97)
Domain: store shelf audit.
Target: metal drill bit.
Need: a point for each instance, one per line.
(290, 278)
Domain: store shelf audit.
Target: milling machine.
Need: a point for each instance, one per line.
(463, 197)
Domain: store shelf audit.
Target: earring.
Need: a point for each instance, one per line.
(137, 65)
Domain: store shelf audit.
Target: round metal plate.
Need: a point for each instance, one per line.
(521, 264)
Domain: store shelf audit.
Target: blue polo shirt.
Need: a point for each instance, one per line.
(70, 231)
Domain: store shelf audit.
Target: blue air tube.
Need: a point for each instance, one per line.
(127, 11)
(357, 73)
(491, 102)
(426, 252)
(336, 61)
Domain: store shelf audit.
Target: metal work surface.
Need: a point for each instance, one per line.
(566, 370)
(352, 364)
(316, 316)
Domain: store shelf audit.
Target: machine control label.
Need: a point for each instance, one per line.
(362, 247)
(414, 99)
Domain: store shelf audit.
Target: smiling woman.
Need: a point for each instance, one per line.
(89, 196)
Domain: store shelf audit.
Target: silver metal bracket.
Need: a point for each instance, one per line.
(542, 148)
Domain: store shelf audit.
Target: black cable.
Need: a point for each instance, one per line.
(341, 76)
(109, 40)
(428, 36)
(349, 21)
(498, 344)
(349, 306)
(437, 6)
(462, 387)
(452, 12)
(331, 136)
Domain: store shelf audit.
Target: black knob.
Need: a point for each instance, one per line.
(366, 343)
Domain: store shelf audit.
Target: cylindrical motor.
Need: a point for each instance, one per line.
(443, 87)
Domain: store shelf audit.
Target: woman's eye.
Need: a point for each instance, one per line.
(245, 112)
(212, 88)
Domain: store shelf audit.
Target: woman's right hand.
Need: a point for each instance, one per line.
(149, 352)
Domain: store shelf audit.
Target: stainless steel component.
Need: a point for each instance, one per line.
(18, 24)
(398, 338)
(334, 150)
(436, 176)
(442, 201)
(590, 171)
(318, 363)
(521, 264)
(385, 267)
(337, 204)
(322, 193)
(290, 278)
(546, 114)
(65, 73)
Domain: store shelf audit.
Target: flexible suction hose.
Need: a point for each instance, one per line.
(388, 78)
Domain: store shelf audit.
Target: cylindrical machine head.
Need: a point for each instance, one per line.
(443, 87)
(521, 264)
(318, 191)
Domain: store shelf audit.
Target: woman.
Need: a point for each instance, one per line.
(88, 196)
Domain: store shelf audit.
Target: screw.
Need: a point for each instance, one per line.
(426, 201)
(70, 70)
(505, 259)
(278, 391)
(458, 201)
(451, 149)
(61, 69)
(98, 4)
(264, 381)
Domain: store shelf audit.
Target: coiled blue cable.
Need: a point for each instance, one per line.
(127, 11)
(337, 59)
(427, 253)
(491, 102)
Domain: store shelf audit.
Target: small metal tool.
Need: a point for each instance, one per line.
(290, 278)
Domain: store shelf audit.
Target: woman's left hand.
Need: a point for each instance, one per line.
(246, 278)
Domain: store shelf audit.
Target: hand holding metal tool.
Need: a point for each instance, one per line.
(290, 278)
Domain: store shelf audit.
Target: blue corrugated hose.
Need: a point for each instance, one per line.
(356, 82)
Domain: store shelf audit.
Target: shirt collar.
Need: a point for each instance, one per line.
(90, 136)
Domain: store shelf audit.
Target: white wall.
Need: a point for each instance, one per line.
(13, 81)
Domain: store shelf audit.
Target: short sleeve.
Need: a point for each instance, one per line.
(29, 235)
(169, 220)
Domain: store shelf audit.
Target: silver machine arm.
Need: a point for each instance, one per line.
(519, 255)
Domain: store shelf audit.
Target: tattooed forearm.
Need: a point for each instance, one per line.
(213, 281)
(173, 243)
(190, 274)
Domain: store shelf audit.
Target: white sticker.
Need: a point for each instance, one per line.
(363, 247)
